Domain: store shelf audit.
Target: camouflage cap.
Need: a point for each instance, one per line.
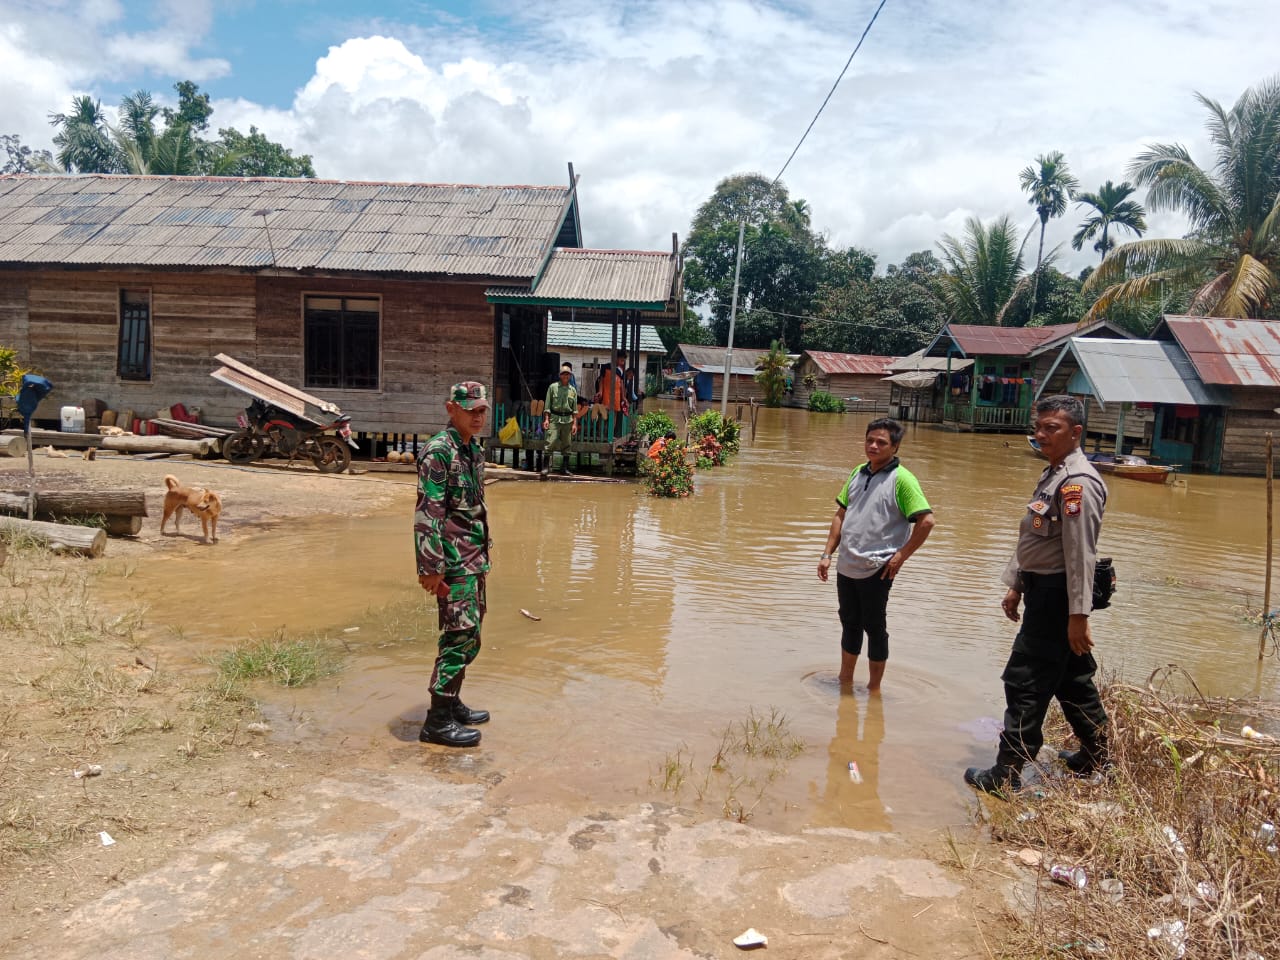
(470, 395)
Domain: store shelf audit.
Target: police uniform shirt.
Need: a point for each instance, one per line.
(1059, 531)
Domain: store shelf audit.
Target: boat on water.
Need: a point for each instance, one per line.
(1122, 465)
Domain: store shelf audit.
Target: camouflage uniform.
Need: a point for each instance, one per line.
(451, 534)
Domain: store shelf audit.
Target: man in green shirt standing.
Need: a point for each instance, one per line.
(559, 421)
(881, 519)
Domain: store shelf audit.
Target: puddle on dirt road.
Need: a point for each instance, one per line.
(665, 624)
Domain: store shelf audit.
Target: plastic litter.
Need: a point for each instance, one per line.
(1026, 816)
(855, 775)
(1092, 947)
(1251, 734)
(1207, 891)
(258, 727)
(1172, 935)
(526, 613)
(750, 939)
(88, 770)
(1175, 843)
(1266, 832)
(351, 630)
(1069, 876)
(106, 838)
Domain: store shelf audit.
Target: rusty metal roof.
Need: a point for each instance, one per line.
(255, 383)
(977, 340)
(1229, 352)
(626, 279)
(850, 363)
(298, 224)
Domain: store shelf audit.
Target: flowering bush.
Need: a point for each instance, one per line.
(726, 432)
(710, 449)
(670, 475)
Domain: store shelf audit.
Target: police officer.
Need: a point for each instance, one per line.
(1051, 574)
(451, 537)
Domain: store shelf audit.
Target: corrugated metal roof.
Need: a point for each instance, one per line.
(711, 359)
(977, 340)
(257, 384)
(485, 231)
(1230, 352)
(918, 361)
(635, 279)
(597, 336)
(850, 363)
(1141, 371)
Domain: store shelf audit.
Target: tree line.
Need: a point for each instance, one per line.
(147, 138)
(797, 289)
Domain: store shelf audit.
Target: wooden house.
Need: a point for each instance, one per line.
(374, 296)
(918, 385)
(709, 364)
(858, 379)
(1144, 397)
(1241, 358)
(590, 348)
(996, 392)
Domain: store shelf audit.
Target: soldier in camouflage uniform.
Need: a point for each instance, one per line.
(451, 536)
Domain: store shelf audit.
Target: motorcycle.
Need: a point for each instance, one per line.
(266, 429)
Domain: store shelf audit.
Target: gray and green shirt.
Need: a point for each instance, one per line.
(879, 510)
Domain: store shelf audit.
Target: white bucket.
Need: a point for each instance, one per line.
(73, 419)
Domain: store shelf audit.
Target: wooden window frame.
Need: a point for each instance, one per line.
(344, 385)
(127, 337)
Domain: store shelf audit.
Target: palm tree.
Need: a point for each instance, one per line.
(983, 270)
(771, 373)
(1229, 261)
(1112, 207)
(1051, 185)
(83, 142)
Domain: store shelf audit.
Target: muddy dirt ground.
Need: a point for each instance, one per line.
(231, 840)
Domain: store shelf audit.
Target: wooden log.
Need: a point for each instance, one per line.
(207, 446)
(118, 526)
(59, 537)
(87, 503)
(13, 446)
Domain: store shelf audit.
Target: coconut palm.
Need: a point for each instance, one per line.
(771, 373)
(1051, 185)
(983, 270)
(1112, 207)
(1229, 262)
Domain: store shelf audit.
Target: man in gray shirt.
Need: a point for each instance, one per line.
(1051, 574)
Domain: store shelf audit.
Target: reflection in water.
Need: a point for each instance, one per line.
(663, 621)
(849, 800)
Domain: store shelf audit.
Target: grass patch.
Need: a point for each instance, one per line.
(750, 755)
(1177, 829)
(290, 663)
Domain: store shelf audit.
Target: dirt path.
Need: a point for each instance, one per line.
(232, 843)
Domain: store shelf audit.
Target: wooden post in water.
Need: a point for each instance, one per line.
(1266, 590)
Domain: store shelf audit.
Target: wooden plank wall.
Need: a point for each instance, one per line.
(66, 324)
(1251, 416)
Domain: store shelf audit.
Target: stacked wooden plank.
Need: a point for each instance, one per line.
(203, 447)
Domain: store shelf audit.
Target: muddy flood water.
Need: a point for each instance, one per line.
(664, 622)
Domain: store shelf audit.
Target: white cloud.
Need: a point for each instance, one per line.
(655, 101)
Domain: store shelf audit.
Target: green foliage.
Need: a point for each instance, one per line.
(1228, 265)
(670, 475)
(730, 435)
(782, 265)
(1050, 185)
(10, 372)
(290, 663)
(654, 424)
(983, 270)
(891, 315)
(22, 159)
(727, 432)
(691, 330)
(771, 373)
(822, 402)
(1112, 207)
(87, 143)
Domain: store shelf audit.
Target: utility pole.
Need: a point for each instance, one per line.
(733, 319)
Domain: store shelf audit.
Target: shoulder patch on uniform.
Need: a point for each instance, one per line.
(1069, 488)
(1071, 507)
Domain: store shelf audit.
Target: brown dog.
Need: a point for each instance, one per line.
(205, 504)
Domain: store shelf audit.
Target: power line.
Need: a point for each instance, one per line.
(831, 91)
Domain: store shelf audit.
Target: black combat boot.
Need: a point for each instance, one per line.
(464, 714)
(442, 727)
(1089, 759)
(1002, 780)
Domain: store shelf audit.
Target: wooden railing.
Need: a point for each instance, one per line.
(982, 417)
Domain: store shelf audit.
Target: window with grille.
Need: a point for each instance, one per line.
(133, 361)
(341, 342)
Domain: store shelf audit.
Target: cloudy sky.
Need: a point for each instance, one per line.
(654, 101)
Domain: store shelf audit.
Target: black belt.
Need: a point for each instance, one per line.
(1044, 581)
